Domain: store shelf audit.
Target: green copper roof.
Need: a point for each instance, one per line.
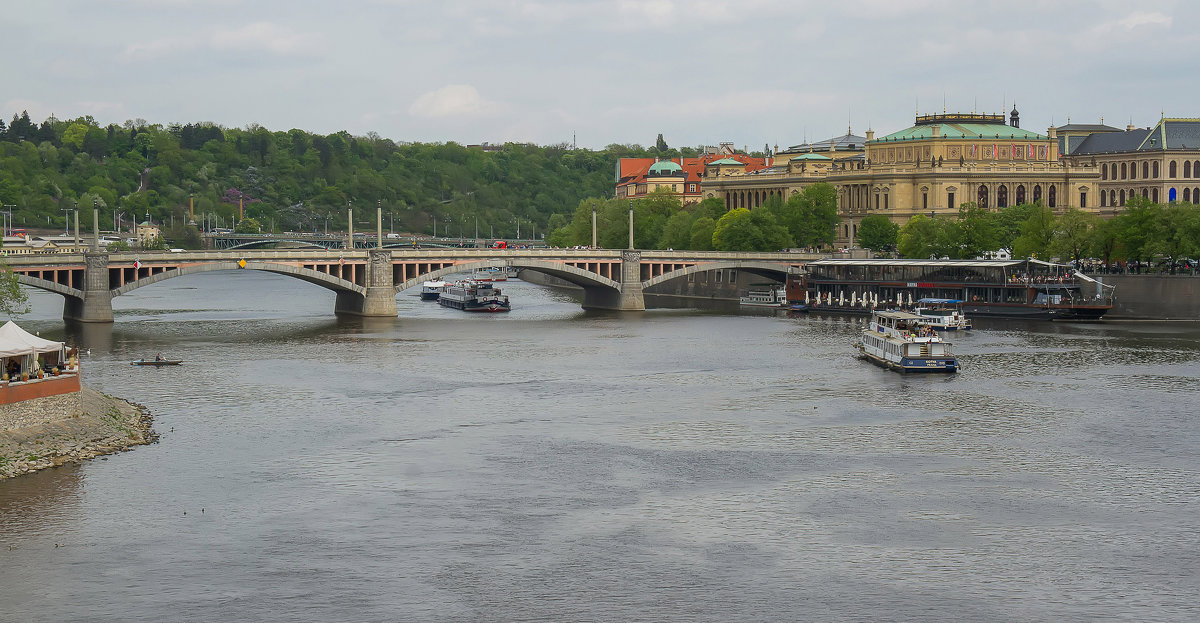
(665, 167)
(812, 157)
(727, 161)
(994, 131)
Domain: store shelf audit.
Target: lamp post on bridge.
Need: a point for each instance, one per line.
(631, 224)
(350, 226)
(95, 224)
(593, 224)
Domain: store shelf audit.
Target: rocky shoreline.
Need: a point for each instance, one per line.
(107, 425)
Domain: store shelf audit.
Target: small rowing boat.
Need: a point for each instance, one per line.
(156, 362)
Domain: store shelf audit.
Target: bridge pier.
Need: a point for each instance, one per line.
(380, 299)
(629, 297)
(96, 304)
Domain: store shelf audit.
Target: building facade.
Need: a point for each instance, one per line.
(933, 167)
(1160, 163)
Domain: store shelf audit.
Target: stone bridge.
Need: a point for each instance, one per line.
(366, 281)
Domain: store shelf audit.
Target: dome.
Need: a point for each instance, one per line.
(665, 167)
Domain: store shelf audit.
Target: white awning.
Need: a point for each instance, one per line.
(15, 341)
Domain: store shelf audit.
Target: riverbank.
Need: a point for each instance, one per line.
(106, 425)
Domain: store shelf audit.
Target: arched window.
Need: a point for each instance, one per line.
(1146, 192)
(1133, 170)
(1123, 196)
(1187, 168)
(1196, 168)
(1053, 196)
(1112, 198)
(1154, 194)
(1187, 194)
(1002, 196)
(1171, 194)
(1103, 198)
(1196, 195)
(1114, 170)
(1124, 171)
(1154, 169)
(1021, 192)
(1173, 169)
(1037, 192)
(1145, 170)
(1104, 172)
(982, 199)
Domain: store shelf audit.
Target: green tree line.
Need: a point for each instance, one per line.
(662, 221)
(1145, 232)
(290, 181)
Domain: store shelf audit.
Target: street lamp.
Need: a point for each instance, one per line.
(631, 224)
(593, 224)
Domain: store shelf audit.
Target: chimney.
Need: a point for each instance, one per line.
(1052, 132)
(870, 135)
(937, 131)
(1130, 128)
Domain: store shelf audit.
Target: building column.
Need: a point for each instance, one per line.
(96, 304)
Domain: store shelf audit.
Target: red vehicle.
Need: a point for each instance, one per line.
(499, 244)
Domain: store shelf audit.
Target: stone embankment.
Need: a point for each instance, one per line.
(104, 425)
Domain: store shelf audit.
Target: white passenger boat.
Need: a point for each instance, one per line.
(902, 341)
(430, 290)
(764, 296)
(489, 274)
(943, 314)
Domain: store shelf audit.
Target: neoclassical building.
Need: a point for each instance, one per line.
(933, 167)
(1161, 163)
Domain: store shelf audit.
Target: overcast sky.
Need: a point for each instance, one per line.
(606, 71)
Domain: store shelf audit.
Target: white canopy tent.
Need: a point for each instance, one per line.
(17, 342)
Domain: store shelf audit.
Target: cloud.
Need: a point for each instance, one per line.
(455, 100)
(266, 37)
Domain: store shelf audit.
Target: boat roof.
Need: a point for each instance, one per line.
(900, 315)
(940, 301)
(945, 263)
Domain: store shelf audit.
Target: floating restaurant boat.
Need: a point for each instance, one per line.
(902, 341)
(473, 296)
(430, 290)
(943, 314)
(765, 295)
(1005, 288)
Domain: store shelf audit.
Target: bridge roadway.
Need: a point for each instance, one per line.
(366, 281)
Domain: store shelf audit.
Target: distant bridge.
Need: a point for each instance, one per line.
(366, 282)
(231, 241)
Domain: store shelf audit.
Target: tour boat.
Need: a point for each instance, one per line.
(763, 296)
(431, 289)
(473, 296)
(489, 274)
(1005, 288)
(901, 341)
(943, 314)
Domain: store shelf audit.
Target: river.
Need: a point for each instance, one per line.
(552, 464)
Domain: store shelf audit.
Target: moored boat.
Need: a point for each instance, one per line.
(943, 314)
(489, 274)
(430, 290)
(765, 295)
(470, 295)
(901, 341)
(1027, 288)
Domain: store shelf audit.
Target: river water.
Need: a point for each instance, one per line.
(556, 465)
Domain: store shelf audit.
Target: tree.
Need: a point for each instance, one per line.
(702, 233)
(814, 218)
(248, 226)
(975, 230)
(878, 233)
(1073, 234)
(1037, 233)
(660, 144)
(13, 300)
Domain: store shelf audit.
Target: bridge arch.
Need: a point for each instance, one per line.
(577, 276)
(769, 270)
(46, 284)
(256, 244)
(329, 282)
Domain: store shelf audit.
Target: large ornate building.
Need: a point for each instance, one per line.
(933, 167)
(1160, 163)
